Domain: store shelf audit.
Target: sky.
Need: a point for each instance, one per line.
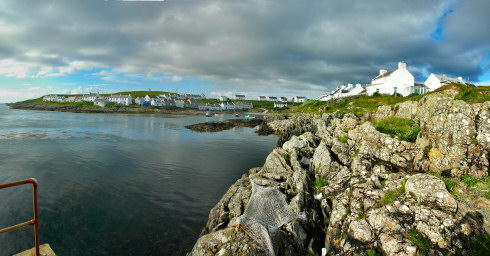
(223, 47)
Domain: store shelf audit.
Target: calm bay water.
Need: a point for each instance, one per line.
(117, 184)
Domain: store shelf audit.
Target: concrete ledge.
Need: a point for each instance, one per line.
(44, 249)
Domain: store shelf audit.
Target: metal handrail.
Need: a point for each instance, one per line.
(34, 221)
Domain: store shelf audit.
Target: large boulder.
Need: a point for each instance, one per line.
(431, 191)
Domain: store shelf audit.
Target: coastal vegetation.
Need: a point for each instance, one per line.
(403, 129)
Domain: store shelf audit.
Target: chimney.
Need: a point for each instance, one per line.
(382, 71)
(402, 65)
(468, 82)
(460, 78)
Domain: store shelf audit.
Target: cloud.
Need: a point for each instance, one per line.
(287, 46)
(36, 88)
(176, 78)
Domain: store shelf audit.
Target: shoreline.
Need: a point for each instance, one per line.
(122, 109)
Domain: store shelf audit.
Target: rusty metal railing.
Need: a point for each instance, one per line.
(34, 221)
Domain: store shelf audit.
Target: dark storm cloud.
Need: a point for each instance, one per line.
(250, 44)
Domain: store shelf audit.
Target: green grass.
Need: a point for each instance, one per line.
(474, 182)
(473, 94)
(355, 105)
(481, 245)
(403, 129)
(75, 104)
(318, 184)
(361, 217)
(420, 241)
(343, 139)
(450, 184)
(391, 195)
(371, 252)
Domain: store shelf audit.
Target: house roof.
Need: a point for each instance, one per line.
(240, 95)
(119, 96)
(385, 74)
(420, 85)
(447, 79)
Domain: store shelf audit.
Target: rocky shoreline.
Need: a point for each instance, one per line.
(225, 125)
(362, 192)
(110, 110)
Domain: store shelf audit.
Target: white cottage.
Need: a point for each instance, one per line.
(435, 81)
(299, 99)
(56, 98)
(262, 98)
(343, 91)
(280, 104)
(121, 99)
(239, 97)
(223, 98)
(391, 82)
(90, 97)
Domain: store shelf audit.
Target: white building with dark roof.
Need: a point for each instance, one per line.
(391, 82)
(300, 99)
(435, 81)
(121, 99)
(56, 98)
(239, 97)
(343, 91)
(90, 97)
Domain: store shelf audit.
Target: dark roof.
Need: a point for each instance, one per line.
(420, 85)
(385, 74)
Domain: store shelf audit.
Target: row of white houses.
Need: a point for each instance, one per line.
(398, 81)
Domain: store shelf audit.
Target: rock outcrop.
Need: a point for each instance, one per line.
(364, 192)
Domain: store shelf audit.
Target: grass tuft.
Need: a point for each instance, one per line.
(420, 241)
(318, 184)
(404, 129)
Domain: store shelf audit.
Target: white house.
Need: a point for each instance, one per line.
(239, 97)
(272, 98)
(121, 99)
(70, 99)
(101, 102)
(180, 103)
(158, 102)
(391, 82)
(283, 99)
(195, 96)
(262, 98)
(299, 99)
(56, 98)
(90, 97)
(343, 91)
(435, 81)
(227, 106)
(280, 104)
(223, 98)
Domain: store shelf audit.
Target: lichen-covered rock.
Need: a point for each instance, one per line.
(431, 191)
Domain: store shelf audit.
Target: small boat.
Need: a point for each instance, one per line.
(249, 117)
(208, 115)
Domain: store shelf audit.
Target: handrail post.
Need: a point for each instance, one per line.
(34, 221)
(36, 217)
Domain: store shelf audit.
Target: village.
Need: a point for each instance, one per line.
(191, 101)
(398, 82)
